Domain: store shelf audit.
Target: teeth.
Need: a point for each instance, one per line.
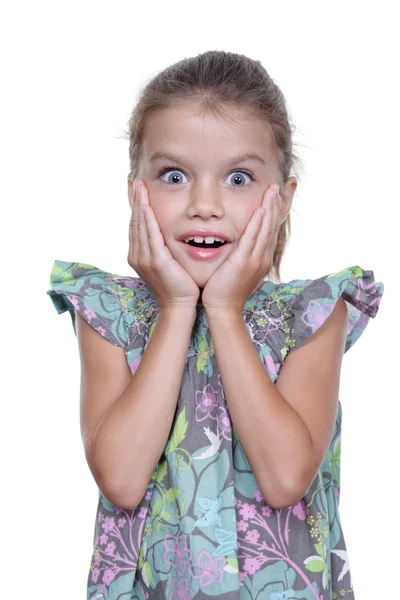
(208, 240)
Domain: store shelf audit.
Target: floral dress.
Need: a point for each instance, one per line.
(203, 528)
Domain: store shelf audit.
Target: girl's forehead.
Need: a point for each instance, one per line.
(183, 125)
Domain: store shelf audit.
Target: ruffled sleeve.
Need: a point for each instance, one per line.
(312, 301)
(99, 296)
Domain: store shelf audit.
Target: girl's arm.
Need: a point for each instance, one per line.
(284, 428)
(125, 437)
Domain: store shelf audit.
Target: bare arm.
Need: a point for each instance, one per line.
(284, 428)
(126, 443)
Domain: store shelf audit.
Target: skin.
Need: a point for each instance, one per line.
(207, 195)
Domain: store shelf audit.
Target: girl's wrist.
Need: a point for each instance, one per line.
(181, 311)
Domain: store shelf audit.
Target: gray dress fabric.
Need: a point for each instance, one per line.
(203, 528)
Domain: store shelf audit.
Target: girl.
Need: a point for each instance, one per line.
(210, 412)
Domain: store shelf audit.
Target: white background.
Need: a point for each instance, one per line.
(70, 73)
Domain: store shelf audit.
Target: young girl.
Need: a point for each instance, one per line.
(210, 413)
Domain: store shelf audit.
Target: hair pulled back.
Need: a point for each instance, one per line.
(217, 80)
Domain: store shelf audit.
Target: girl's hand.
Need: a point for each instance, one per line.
(151, 259)
(238, 277)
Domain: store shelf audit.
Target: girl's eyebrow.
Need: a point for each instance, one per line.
(178, 159)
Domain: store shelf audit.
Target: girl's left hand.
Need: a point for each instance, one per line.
(239, 276)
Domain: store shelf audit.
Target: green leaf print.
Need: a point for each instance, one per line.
(55, 271)
(147, 573)
(66, 277)
(320, 548)
(162, 470)
(233, 562)
(357, 272)
(172, 494)
(315, 564)
(179, 431)
(142, 556)
(126, 296)
(203, 355)
(156, 509)
(152, 328)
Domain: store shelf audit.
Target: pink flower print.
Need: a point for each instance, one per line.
(242, 576)
(134, 365)
(266, 510)
(258, 496)
(270, 365)
(223, 422)
(142, 513)
(241, 525)
(251, 565)
(300, 510)
(121, 522)
(103, 538)
(208, 570)
(176, 552)
(95, 575)
(100, 516)
(97, 558)
(206, 403)
(74, 301)
(108, 524)
(108, 576)
(252, 536)
(316, 314)
(101, 331)
(148, 495)
(118, 509)
(90, 314)
(248, 511)
(180, 590)
(110, 548)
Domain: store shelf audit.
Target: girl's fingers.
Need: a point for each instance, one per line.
(133, 229)
(155, 240)
(270, 224)
(145, 252)
(250, 234)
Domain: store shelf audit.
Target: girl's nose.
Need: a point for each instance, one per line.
(205, 201)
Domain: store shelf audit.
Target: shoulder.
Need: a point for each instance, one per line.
(112, 304)
(344, 300)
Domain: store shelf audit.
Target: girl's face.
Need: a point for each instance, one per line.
(200, 182)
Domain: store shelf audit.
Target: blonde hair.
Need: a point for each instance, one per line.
(216, 80)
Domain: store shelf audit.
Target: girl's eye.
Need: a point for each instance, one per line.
(171, 178)
(237, 180)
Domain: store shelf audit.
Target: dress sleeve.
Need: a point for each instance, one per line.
(314, 300)
(96, 294)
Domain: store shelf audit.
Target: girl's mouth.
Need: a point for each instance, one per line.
(203, 252)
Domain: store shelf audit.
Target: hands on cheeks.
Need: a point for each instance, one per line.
(232, 283)
(239, 276)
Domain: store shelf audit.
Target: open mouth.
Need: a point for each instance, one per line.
(203, 251)
(204, 244)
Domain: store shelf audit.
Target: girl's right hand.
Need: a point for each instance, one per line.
(152, 260)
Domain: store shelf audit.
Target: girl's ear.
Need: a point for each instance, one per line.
(287, 192)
